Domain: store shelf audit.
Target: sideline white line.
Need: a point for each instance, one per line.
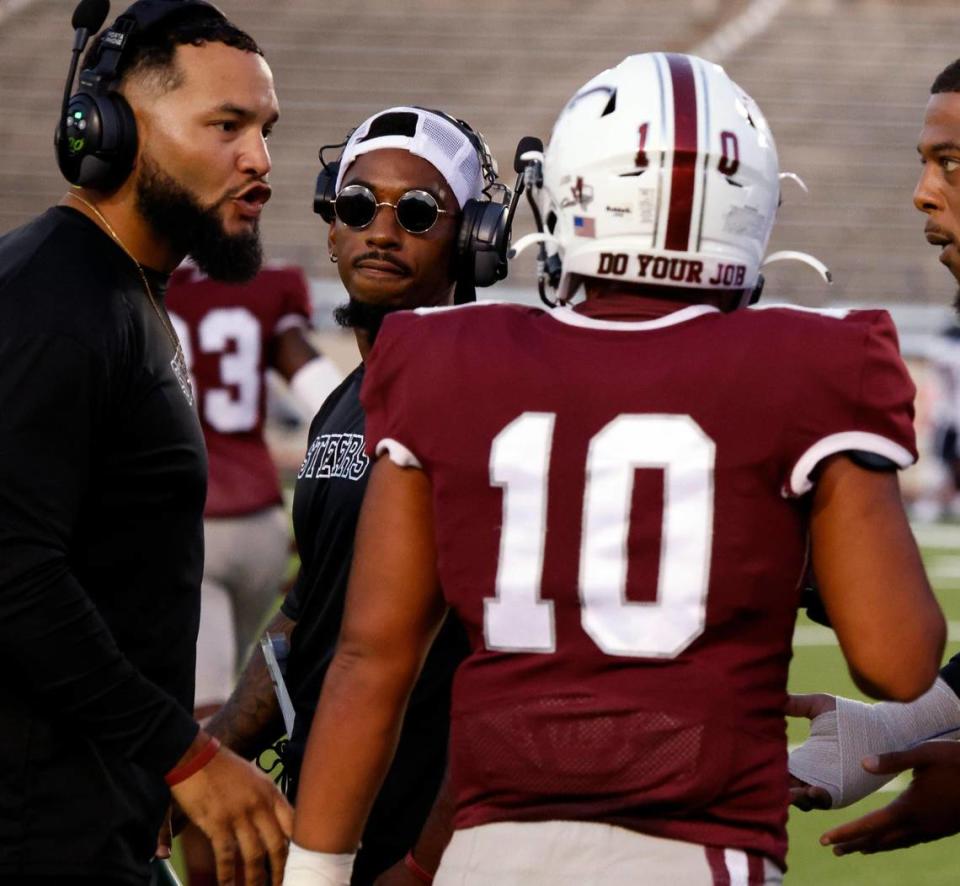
(735, 34)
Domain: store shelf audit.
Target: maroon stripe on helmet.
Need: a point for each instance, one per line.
(683, 181)
(718, 866)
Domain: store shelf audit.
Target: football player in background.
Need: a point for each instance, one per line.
(232, 334)
(856, 748)
(616, 499)
(403, 181)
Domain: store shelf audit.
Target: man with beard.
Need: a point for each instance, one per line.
(403, 180)
(102, 466)
(855, 748)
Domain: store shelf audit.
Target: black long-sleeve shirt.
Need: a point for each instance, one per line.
(102, 483)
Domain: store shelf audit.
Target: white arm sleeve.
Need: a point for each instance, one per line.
(313, 382)
(307, 868)
(839, 740)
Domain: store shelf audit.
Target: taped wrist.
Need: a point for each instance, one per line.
(839, 740)
(308, 868)
(313, 382)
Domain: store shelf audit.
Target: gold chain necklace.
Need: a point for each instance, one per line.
(178, 363)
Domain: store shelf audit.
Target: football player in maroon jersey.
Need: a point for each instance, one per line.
(843, 760)
(618, 499)
(232, 334)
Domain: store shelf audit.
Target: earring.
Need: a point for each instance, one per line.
(333, 258)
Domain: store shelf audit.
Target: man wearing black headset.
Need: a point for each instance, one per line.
(408, 181)
(102, 466)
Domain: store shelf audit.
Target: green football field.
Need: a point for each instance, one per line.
(819, 666)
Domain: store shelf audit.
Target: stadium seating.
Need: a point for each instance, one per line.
(843, 82)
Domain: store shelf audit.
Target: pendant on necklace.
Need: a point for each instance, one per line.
(179, 367)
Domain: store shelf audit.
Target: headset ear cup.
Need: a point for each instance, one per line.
(78, 137)
(482, 242)
(325, 192)
(97, 147)
(120, 140)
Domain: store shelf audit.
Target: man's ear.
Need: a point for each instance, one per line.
(332, 240)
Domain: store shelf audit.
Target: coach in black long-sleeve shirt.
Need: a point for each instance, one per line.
(102, 470)
(102, 483)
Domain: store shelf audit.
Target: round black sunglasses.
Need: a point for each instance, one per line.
(417, 211)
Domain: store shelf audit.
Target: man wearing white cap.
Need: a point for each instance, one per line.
(395, 203)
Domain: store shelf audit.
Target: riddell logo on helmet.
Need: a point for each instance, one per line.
(676, 270)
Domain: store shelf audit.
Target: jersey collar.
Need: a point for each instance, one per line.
(573, 318)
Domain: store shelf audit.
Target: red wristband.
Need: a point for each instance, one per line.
(194, 764)
(416, 870)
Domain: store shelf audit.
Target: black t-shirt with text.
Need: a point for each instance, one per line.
(326, 505)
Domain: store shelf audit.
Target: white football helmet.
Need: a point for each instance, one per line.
(659, 171)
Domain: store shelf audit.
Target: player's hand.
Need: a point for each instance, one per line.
(802, 795)
(927, 810)
(397, 875)
(243, 814)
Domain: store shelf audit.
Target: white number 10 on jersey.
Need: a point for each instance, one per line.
(518, 620)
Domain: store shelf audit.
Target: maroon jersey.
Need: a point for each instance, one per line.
(228, 334)
(621, 529)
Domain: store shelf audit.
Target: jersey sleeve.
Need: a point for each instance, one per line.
(863, 401)
(54, 392)
(389, 392)
(295, 307)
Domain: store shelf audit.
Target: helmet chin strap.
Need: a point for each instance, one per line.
(548, 266)
(527, 240)
(792, 176)
(792, 255)
(752, 296)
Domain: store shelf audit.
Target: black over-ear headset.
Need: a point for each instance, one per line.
(96, 138)
(484, 234)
